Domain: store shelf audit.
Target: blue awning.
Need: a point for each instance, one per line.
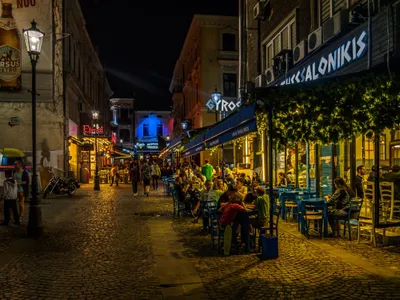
(237, 132)
(243, 116)
(194, 150)
(197, 141)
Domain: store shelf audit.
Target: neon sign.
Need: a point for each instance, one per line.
(114, 137)
(92, 130)
(222, 105)
(346, 53)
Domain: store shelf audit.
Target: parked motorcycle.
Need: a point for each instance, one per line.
(61, 186)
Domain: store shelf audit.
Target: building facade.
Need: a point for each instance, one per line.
(208, 62)
(152, 132)
(70, 83)
(309, 41)
(123, 121)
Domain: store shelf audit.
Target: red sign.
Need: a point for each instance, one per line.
(114, 137)
(91, 130)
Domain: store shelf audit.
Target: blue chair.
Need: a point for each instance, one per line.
(312, 211)
(264, 230)
(353, 215)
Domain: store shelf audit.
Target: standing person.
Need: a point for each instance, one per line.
(146, 177)
(10, 195)
(134, 175)
(114, 175)
(21, 176)
(207, 170)
(361, 170)
(155, 174)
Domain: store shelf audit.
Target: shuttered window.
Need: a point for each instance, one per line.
(325, 10)
(283, 40)
(330, 7)
(338, 5)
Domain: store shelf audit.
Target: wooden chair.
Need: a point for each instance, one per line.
(389, 205)
(365, 217)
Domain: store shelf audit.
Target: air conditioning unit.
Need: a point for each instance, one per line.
(258, 11)
(299, 52)
(259, 81)
(269, 75)
(335, 25)
(314, 40)
(282, 62)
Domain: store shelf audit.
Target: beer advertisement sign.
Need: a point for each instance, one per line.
(15, 67)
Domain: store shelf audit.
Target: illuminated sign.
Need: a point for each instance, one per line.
(222, 105)
(147, 146)
(92, 130)
(347, 52)
(114, 137)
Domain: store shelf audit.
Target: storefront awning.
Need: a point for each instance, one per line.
(235, 133)
(194, 150)
(176, 142)
(233, 127)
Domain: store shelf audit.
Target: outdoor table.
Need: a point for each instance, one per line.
(310, 201)
(282, 199)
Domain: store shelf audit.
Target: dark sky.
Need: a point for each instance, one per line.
(140, 40)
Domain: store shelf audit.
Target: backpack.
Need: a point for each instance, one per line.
(10, 189)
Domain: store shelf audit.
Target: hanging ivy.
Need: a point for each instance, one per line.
(331, 111)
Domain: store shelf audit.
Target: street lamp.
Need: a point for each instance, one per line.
(34, 41)
(216, 97)
(95, 117)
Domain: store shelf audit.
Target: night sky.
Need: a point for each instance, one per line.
(140, 41)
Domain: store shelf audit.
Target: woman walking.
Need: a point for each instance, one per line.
(146, 177)
(155, 174)
(135, 177)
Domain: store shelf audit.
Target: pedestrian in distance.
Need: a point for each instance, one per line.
(134, 177)
(155, 174)
(114, 175)
(146, 177)
(21, 176)
(10, 195)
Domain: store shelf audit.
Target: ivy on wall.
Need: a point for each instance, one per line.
(332, 110)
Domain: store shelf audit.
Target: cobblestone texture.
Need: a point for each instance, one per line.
(97, 245)
(302, 271)
(100, 249)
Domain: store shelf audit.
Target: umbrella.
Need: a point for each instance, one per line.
(12, 152)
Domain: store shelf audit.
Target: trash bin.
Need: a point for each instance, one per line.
(269, 246)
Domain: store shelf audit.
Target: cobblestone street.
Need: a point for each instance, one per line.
(109, 245)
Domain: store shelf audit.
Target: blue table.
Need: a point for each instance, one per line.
(302, 203)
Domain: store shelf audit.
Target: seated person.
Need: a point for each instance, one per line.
(180, 190)
(225, 197)
(229, 180)
(240, 185)
(262, 207)
(252, 195)
(235, 211)
(219, 188)
(282, 181)
(338, 203)
(208, 194)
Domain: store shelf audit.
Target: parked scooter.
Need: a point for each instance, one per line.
(61, 186)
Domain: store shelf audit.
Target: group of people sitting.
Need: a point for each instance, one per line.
(234, 197)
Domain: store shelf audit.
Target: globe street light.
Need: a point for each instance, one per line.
(34, 41)
(95, 117)
(216, 97)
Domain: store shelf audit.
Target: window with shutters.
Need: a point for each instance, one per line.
(330, 7)
(284, 39)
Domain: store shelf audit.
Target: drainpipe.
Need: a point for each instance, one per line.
(242, 48)
(64, 79)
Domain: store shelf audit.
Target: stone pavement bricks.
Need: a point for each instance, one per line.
(176, 271)
(99, 249)
(302, 271)
(110, 245)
